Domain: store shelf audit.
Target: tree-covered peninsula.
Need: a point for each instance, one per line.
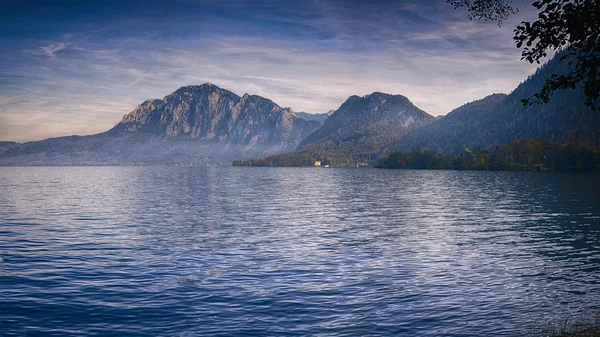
(527, 154)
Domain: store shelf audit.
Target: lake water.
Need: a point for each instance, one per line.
(190, 251)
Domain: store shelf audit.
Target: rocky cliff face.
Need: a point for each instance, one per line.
(211, 114)
(365, 126)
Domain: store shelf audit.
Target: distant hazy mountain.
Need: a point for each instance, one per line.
(364, 126)
(315, 117)
(500, 119)
(4, 146)
(195, 124)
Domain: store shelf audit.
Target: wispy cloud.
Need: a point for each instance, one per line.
(53, 48)
(38, 115)
(309, 56)
(49, 50)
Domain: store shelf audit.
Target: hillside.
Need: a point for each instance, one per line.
(363, 127)
(499, 119)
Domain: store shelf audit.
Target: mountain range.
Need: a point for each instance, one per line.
(205, 124)
(195, 124)
(499, 119)
(369, 128)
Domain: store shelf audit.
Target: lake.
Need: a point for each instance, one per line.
(224, 251)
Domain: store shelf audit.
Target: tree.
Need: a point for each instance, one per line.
(569, 26)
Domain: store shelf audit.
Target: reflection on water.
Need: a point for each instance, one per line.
(284, 251)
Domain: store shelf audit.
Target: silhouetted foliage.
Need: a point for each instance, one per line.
(569, 25)
(488, 10)
(525, 154)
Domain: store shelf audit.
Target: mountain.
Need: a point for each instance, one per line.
(457, 125)
(315, 117)
(500, 119)
(214, 115)
(4, 146)
(195, 124)
(363, 127)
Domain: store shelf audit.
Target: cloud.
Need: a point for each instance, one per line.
(53, 48)
(38, 115)
(309, 56)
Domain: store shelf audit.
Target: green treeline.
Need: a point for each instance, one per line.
(527, 154)
(284, 159)
(299, 159)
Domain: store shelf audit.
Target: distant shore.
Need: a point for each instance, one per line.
(520, 155)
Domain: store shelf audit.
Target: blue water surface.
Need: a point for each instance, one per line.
(237, 251)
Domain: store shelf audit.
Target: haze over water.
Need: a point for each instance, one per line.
(149, 251)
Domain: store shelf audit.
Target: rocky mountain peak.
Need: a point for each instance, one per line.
(212, 114)
(376, 103)
(207, 88)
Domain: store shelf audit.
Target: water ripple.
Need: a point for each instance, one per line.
(146, 251)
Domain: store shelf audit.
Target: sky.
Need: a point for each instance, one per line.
(76, 67)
